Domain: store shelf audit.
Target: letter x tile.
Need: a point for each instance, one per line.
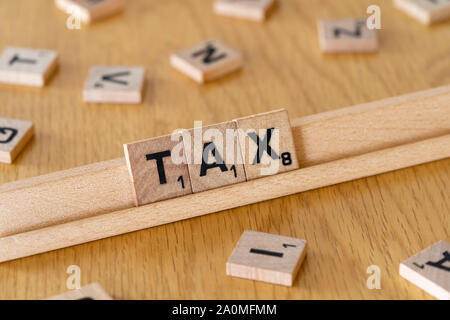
(267, 144)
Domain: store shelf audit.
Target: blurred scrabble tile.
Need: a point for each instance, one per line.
(425, 11)
(267, 144)
(244, 9)
(430, 270)
(93, 291)
(349, 35)
(207, 61)
(267, 257)
(213, 159)
(14, 135)
(155, 176)
(91, 10)
(114, 84)
(30, 67)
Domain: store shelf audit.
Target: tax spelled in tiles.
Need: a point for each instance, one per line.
(114, 84)
(93, 291)
(214, 159)
(30, 67)
(267, 144)
(91, 10)
(14, 135)
(267, 257)
(349, 35)
(154, 174)
(244, 9)
(425, 11)
(430, 270)
(207, 61)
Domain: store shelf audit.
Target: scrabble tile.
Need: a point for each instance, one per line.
(30, 67)
(92, 10)
(245, 9)
(430, 270)
(14, 135)
(155, 176)
(267, 144)
(425, 11)
(267, 257)
(221, 163)
(114, 84)
(207, 61)
(93, 291)
(350, 35)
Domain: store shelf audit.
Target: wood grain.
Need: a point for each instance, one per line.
(215, 200)
(70, 195)
(380, 220)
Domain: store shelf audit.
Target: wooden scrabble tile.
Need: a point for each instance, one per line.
(114, 84)
(30, 67)
(430, 270)
(349, 35)
(93, 291)
(221, 163)
(267, 257)
(207, 61)
(245, 9)
(155, 176)
(267, 144)
(425, 11)
(92, 10)
(14, 135)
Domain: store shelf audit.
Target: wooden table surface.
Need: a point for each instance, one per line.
(381, 220)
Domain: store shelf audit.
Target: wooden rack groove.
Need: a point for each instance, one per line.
(95, 201)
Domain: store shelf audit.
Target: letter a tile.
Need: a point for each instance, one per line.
(267, 144)
(207, 61)
(430, 270)
(154, 174)
(267, 257)
(93, 291)
(425, 11)
(14, 135)
(29, 67)
(350, 35)
(214, 158)
(114, 85)
(91, 10)
(244, 9)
